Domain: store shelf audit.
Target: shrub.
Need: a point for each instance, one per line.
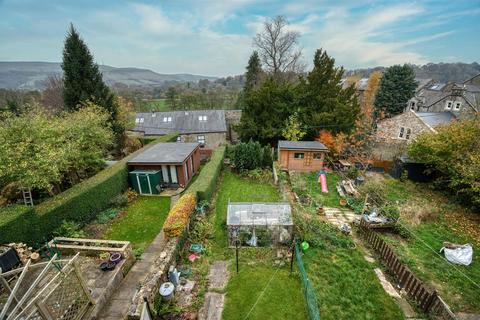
(251, 155)
(205, 183)
(261, 175)
(352, 173)
(119, 201)
(79, 204)
(377, 192)
(179, 215)
(70, 229)
(107, 215)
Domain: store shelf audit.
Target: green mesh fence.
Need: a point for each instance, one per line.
(309, 294)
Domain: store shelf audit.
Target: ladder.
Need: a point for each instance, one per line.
(27, 196)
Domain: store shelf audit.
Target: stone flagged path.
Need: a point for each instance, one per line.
(117, 307)
(217, 279)
(338, 217)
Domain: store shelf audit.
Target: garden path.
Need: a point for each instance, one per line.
(117, 307)
(214, 302)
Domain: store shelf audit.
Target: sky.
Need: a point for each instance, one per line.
(214, 38)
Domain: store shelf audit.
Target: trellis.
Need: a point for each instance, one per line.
(57, 292)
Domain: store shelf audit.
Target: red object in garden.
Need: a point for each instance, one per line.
(193, 257)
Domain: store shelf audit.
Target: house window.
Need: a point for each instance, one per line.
(137, 120)
(402, 132)
(167, 119)
(299, 155)
(201, 139)
(458, 105)
(140, 120)
(412, 105)
(317, 155)
(202, 118)
(409, 132)
(448, 105)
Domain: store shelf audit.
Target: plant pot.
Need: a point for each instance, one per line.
(320, 211)
(343, 202)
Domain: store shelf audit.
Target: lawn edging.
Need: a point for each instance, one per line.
(81, 204)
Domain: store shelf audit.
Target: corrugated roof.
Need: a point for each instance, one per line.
(167, 152)
(259, 213)
(434, 119)
(302, 145)
(186, 122)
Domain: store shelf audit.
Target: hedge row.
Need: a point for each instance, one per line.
(204, 185)
(179, 215)
(81, 204)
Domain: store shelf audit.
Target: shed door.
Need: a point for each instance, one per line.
(165, 174)
(173, 173)
(143, 184)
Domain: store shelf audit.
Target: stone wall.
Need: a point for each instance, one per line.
(149, 288)
(232, 117)
(212, 140)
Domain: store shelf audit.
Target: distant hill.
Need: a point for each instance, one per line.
(31, 75)
(443, 72)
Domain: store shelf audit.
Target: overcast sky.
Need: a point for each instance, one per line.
(215, 37)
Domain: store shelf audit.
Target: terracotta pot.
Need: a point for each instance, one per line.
(343, 202)
(320, 211)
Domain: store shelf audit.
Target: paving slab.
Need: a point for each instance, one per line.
(218, 275)
(213, 307)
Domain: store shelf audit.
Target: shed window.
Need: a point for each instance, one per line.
(299, 155)
(317, 155)
(202, 118)
(458, 105)
(201, 139)
(402, 132)
(448, 105)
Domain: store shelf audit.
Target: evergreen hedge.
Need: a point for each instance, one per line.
(204, 185)
(81, 204)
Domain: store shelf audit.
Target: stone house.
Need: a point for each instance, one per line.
(207, 127)
(393, 134)
(461, 99)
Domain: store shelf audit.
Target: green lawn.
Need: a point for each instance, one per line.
(141, 222)
(308, 183)
(155, 105)
(346, 286)
(282, 298)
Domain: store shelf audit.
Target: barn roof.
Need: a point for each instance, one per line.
(302, 145)
(183, 122)
(166, 152)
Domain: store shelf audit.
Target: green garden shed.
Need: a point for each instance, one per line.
(146, 181)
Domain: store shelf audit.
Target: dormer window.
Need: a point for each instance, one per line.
(448, 105)
(154, 115)
(202, 118)
(458, 105)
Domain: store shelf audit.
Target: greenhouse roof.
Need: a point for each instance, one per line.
(259, 213)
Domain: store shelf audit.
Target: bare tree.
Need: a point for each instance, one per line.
(52, 96)
(278, 47)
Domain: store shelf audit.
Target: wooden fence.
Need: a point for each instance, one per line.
(428, 300)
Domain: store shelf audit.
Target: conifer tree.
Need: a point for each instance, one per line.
(253, 74)
(323, 102)
(397, 86)
(83, 81)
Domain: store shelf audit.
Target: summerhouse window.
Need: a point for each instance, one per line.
(299, 155)
(317, 155)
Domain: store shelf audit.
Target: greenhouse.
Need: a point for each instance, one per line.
(259, 224)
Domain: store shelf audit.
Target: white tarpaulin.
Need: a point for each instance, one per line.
(459, 254)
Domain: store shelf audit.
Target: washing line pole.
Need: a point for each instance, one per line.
(236, 253)
(292, 255)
